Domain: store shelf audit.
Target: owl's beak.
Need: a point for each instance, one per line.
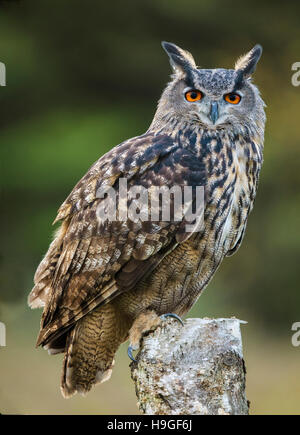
(214, 112)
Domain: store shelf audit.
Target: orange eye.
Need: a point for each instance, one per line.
(193, 96)
(232, 98)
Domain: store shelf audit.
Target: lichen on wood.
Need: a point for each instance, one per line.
(197, 368)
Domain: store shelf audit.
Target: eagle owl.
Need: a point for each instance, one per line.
(103, 282)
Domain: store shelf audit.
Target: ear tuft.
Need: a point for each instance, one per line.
(180, 60)
(247, 63)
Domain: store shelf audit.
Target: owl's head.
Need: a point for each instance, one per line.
(212, 98)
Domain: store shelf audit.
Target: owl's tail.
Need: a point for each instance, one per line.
(90, 350)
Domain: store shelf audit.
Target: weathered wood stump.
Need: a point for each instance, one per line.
(197, 368)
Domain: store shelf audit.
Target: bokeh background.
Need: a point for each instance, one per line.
(81, 78)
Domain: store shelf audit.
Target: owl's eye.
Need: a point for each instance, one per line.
(193, 95)
(232, 98)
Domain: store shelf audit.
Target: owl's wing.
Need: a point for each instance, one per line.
(90, 263)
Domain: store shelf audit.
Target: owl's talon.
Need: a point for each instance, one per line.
(175, 316)
(129, 353)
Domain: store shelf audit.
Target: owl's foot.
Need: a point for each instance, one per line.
(175, 316)
(129, 353)
(146, 322)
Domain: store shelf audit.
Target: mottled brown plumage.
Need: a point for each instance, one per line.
(101, 283)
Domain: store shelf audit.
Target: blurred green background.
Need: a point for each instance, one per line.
(81, 78)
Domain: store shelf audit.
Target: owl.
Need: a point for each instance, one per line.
(108, 278)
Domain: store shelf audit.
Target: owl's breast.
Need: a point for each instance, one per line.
(232, 179)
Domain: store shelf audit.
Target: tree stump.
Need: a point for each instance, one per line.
(197, 368)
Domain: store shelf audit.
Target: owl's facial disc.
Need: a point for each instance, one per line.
(215, 110)
(216, 97)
